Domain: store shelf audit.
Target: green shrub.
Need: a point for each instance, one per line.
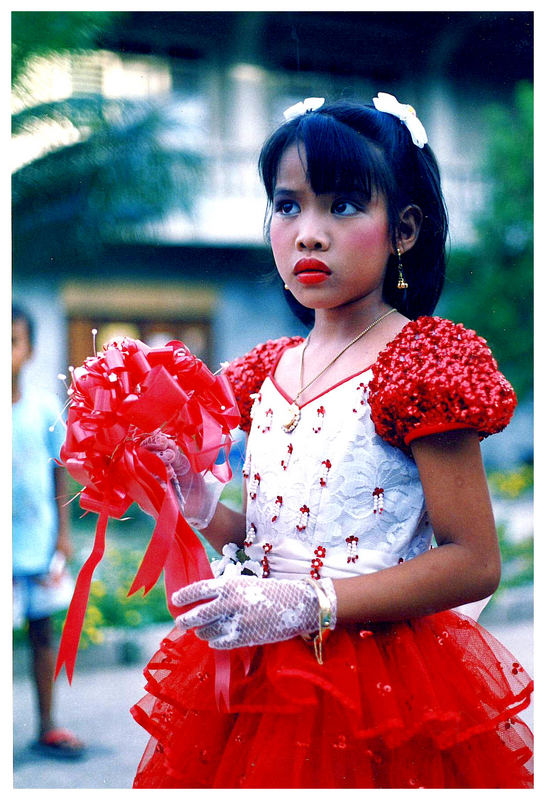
(517, 561)
(513, 483)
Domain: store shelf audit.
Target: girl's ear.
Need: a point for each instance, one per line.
(410, 222)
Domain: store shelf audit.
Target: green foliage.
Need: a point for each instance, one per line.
(517, 561)
(72, 201)
(43, 33)
(490, 286)
(517, 556)
(513, 483)
(232, 494)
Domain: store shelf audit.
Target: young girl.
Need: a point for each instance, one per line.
(363, 446)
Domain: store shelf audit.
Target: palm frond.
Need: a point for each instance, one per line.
(118, 174)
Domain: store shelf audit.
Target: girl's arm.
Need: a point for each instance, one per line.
(465, 566)
(225, 526)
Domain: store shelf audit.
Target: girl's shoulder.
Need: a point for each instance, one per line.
(434, 376)
(246, 373)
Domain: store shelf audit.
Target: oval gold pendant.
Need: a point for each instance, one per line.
(292, 423)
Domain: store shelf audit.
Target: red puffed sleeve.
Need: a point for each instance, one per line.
(248, 372)
(437, 376)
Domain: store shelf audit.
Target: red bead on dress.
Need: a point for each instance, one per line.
(362, 389)
(326, 466)
(303, 518)
(251, 532)
(321, 414)
(268, 421)
(378, 500)
(317, 563)
(265, 561)
(254, 486)
(352, 543)
(286, 460)
(278, 504)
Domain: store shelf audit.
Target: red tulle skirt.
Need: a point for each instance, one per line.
(429, 703)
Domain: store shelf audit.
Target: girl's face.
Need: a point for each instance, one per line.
(21, 350)
(330, 249)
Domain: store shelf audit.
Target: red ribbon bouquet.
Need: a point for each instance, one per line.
(117, 399)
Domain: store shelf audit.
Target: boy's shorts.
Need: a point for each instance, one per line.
(37, 596)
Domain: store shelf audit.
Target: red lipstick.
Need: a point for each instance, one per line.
(311, 271)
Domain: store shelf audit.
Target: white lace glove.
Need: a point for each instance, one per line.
(249, 611)
(198, 495)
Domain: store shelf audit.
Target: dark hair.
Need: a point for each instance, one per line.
(18, 313)
(356, 147)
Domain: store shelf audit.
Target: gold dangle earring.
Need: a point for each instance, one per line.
(401, 282)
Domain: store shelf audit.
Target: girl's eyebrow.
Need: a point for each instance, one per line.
(354, 191)
(282, 190)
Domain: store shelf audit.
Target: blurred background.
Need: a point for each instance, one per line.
(137, 209)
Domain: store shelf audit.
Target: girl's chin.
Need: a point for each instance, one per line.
(314, 303)
(327, 302)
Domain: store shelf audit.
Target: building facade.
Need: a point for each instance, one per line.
(222, 80)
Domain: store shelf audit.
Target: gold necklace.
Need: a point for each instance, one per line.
(294, 408)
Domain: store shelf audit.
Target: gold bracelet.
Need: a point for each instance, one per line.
(324, 618)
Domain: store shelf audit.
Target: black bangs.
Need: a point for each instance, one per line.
(338, 157)
(341, 159)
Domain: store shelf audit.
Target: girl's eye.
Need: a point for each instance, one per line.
(344, 208)
(286, 208)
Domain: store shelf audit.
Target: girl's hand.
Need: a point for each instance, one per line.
(251, 611)
(197, 495)
(172, 457)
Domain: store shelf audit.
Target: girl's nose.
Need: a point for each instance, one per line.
(311, 236)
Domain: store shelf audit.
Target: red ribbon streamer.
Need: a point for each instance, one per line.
(76, 613)
(118, 398)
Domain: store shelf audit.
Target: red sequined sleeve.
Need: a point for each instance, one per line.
(248, 372)
(437, 376)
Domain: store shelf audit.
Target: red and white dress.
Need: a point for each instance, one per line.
(430, 702)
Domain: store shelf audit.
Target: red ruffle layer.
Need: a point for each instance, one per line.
(428, 703)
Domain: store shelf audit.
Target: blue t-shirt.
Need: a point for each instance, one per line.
(35, 519)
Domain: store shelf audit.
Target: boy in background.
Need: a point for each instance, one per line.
(41, 537)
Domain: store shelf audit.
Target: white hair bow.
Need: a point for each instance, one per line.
(390, 105)
(309, 104)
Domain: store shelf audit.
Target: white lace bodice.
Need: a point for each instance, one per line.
(330, 479)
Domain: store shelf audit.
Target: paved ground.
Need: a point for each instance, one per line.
(96, 706)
